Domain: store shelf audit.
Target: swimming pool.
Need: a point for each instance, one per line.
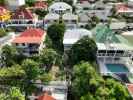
(117, 68)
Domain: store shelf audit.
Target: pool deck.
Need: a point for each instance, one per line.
(103, 69)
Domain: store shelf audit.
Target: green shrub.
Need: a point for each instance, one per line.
(2, 32)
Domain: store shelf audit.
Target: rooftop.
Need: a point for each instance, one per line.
(23, 13)
(70, 16)
(32, 35)
(52, 16)
(72, 36)
(130, 88)
(107, 39)
(3, 10)
(60, 5)
(45, 97)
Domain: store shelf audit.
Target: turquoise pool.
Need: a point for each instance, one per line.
(117, 68)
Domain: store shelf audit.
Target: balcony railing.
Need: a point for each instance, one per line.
(113, 55)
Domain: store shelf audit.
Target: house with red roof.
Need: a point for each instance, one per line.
(45, 97)
(23, 16)
(30, 41)
(130, 88)
(124, 9)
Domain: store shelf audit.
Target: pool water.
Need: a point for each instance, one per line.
(117, 68)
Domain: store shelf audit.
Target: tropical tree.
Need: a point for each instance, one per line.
(117, 90)
(48, 58)
(12, 76)
(2, 32)
(89, 85)
(84, 49)
(48, 42)
(14, 93)
(45, 78)
(31, 69)
(23, 76)
(41, 13)
(70, 2)
(95, 19)
(30, 2)
(85, 79)
(56, 34)
(8, 54)
(3, 96)
(2, 2)
(49, 2)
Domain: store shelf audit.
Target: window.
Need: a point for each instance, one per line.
(17, 44)
(74, 21)
(55, 20)
(68, 10)
(23, 44)
(85, 8)
(66, 21)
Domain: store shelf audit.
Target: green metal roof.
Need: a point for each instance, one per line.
(123, 40)
(103, 34)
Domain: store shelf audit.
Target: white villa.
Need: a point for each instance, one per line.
(51, 18)
(83, 7)
(60, 8)
(98, 9)
(14, 4)
(70, 20)
(72, 36)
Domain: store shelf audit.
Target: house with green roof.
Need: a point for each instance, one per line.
(115, 52)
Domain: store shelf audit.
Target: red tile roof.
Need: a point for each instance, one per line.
(25, 13)
(3, 10)
(123, 8)
(41, 5)
(32, 35)
(45, 97)
(130, 88)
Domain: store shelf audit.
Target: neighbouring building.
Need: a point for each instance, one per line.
(70, 20)
(83, 7)
(50, 19)
(55, 90)
(60, 8)
(83, 19)
(4, 14)
(23, 17)
(14, 4)
(124, 9)
(72, 36)
(30, 41)
(99, 9)
(46, 97)
(114, 54)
